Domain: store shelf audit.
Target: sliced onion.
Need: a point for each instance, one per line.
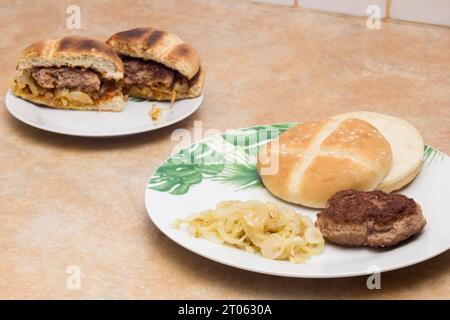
(79, 96)
(277, 232)
(272, 247)
(313, 235)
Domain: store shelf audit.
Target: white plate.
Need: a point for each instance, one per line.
(177, 190)
(133, 119)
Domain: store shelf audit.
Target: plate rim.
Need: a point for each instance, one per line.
(298, 276)
(10, 95)
(439, 251)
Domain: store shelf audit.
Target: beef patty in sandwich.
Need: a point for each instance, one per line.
(71, 73)
(158, 65)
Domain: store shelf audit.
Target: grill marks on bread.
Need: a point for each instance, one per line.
(153, 38)
(71, 73)
(73, 51)
(157, 45)
(150, 37)
(159, 65)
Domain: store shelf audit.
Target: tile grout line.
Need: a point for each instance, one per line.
(387, 17)
(415, 23)
(388, 9)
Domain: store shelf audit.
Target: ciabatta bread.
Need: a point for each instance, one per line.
(406, 144)
(311, 162)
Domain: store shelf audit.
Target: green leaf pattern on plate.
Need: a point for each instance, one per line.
(187, 168)
(241, 152)
(228, 158)
(431, 156)
(136, 99)
(239, 176)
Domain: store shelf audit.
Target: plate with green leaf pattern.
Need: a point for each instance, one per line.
(223, 167)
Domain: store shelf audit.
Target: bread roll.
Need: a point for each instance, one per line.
(158, 64)
(77, 53)
(406, 144)
(113, 104)
(315, 160)
(73, 51)
(157, 45)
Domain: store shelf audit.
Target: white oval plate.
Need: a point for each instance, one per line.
(179, 188)
(134, 118)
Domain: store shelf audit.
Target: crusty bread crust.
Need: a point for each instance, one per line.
(73, 51)
(115, 103)
(195, 89)
(318, 159)
(157, 45)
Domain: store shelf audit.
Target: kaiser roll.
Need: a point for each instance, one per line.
(311, 162)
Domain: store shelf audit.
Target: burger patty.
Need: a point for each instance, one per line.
(377, 219)
(81, 79)
(141, 72)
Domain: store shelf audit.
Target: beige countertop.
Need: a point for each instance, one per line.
(73, 201)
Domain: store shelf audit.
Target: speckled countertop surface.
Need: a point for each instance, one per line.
(72, 201)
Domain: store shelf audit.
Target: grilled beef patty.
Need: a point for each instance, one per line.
(144, 73)
(81, 79)
(377, 219)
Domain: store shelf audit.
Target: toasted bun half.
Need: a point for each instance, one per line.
(157, 45)
(406, 144)
(311, 162)
(114, 103)
(73, 51)
(195, 89)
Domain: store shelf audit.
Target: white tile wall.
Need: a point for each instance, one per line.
(352, 7)
(281, 2)
(427, 11)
